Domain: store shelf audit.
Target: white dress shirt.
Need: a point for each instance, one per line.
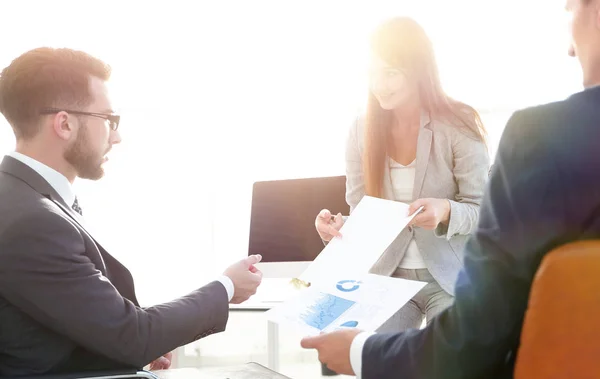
(356, 349)
(63, 187)
(58, 181)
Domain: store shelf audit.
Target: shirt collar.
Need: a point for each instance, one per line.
(58, 181)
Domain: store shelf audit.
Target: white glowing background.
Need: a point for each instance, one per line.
(217, 94)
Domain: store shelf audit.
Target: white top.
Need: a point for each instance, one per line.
(63, 187)
(403, 179)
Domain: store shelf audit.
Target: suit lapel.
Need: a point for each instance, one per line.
(118, 274)
(104, 256)
(71, 213)
(20, 170)
(28, 175)
(423, 151)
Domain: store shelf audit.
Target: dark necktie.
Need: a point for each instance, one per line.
(76, 207)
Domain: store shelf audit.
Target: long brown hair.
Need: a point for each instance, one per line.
(402, 43)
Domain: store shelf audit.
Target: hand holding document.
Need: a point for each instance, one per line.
(367, 233)
(342, 294)
(364, 302)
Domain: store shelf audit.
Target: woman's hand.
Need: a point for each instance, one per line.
(326, 227)
(435, 211)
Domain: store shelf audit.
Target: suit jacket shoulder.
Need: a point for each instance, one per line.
(64, 300)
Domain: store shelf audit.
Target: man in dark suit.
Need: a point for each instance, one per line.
(544, 191)
(66, 304)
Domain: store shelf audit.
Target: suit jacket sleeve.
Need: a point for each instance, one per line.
(522, 217)
(45, 272)
(471, 171)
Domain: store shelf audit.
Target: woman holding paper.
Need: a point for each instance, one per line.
(415, 145)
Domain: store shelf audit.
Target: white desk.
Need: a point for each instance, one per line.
(246, 371)
(272, 331)
(270, 293)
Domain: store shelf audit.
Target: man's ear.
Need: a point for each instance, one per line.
(63, 125)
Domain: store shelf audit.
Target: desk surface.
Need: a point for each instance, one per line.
(246, 371)
(270, 293)
(253, 306)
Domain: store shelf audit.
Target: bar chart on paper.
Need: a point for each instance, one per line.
(364, 303)
(325, 310)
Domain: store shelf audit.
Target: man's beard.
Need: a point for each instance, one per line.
(86, 162)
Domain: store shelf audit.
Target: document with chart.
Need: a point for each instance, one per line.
(364, 302)
(366, 234)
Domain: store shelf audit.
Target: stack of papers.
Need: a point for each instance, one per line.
(364, 303)
(373, 226)
(342, 293)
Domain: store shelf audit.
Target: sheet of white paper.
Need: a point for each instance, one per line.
(364, 303)
(372, 227)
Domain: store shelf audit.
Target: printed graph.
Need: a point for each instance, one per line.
(325, 310)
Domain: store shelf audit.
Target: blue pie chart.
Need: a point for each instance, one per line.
(348, 285)
(350, 324)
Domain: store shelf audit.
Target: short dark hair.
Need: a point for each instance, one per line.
(43, 78)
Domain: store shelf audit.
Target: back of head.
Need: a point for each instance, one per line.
(46, 78)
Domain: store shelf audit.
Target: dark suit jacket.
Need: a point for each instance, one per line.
(66, 304)
(544, 191)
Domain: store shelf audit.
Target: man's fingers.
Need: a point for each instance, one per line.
(310, 342)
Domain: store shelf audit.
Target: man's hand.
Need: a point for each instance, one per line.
(334, 349)
(162, 363)
(245, 277)
(435, 211)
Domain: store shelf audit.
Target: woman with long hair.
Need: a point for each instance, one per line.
(415, 145)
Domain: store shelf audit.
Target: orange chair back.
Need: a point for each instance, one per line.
(561, 331)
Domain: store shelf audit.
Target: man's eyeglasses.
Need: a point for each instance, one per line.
(113, 119)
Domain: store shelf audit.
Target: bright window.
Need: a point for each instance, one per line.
(216, 95)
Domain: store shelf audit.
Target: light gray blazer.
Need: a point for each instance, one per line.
(449, 165)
